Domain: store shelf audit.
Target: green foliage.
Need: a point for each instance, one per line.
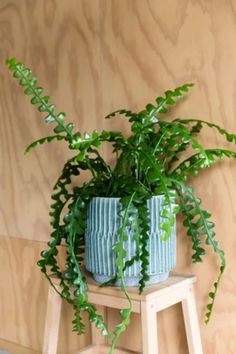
(74, 227)
(127, 215)
(41, 141)
(30, 83)
(194, 163)
(230, 137)
(144, 226)
(158, 157)
(200, 229)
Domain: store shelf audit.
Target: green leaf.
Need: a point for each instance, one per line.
(144, 226)
(196, 231)
(126, 208)
(193, 164)
(29, 81)
(230, 137)
(84, 143)
(131, 115)
(170, 97)
(35, 100)
(41, 141)
(28, 91)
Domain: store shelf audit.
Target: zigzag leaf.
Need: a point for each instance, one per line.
(26, 79)
(144, 220)
(194, 163)
(127, 113)
(183, 145)
(118, 248)
(76, 215)
(230, 137)
(41, 141)
(200, 229)
(168, 100)
(147, 118)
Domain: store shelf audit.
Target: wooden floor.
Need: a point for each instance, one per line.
(15, 349)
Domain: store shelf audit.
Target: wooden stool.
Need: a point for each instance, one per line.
(177, 288)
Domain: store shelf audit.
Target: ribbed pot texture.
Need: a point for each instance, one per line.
(101, 234)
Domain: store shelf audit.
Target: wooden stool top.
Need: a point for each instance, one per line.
(151, 291)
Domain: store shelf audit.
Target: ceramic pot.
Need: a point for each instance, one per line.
(101, 234)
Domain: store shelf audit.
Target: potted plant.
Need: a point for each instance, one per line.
(129, 209)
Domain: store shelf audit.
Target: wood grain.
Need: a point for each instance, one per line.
(23, 299)
(95, 56)
(16, 349)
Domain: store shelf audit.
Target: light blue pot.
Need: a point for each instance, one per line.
(101, 234)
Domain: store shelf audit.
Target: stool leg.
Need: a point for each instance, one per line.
(149, 328)
(52, 322)
(191, 323)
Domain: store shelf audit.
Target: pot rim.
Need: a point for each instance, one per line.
(118, 198)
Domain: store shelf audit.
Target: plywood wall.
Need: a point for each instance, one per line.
(92, 57)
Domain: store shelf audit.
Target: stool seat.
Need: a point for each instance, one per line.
(177, 288)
